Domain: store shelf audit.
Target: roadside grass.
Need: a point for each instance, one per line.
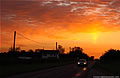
(113, 67)
(18, 68)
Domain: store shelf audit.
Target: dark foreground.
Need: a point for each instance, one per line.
(67, 71)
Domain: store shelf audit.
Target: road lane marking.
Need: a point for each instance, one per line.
(84, 69)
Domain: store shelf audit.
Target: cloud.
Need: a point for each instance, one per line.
(67, 15)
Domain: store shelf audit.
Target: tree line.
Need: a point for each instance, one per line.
(75, 52)
(111, 55)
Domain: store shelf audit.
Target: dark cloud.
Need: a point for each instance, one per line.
(47, 14)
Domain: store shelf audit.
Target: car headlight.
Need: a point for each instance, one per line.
(78, 62)
(84, 63)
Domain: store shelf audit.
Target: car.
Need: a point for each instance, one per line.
(82, 62)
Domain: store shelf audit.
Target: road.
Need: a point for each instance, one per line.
(67, 71)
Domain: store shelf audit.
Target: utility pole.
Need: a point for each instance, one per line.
(56, 45)
(14, 41)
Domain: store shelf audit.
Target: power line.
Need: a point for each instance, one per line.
(28, 38)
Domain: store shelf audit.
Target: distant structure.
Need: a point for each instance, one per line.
(49, 54)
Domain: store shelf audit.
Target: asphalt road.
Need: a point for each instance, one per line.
(67, 71)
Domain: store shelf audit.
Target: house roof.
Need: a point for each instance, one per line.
(49, 51)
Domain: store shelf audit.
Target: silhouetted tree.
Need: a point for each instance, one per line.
(61, 49)
(92, 58)
(23, 51)
(110, 55)
(77, 52)
(30, 52)
(17, 49)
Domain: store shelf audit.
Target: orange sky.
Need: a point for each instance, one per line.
(93, 25)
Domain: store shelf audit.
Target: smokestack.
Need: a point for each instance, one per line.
(56, 45)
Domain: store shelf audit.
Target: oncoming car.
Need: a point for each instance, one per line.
(82, 62)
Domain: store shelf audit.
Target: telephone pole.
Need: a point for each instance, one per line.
(56, 45)
(14, 41)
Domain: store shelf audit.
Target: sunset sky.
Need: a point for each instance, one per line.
(93, 25)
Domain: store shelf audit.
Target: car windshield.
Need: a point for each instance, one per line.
(82, 60)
